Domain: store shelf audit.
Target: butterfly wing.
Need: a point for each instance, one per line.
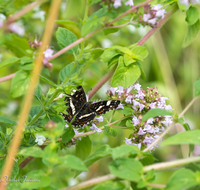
(105, 106)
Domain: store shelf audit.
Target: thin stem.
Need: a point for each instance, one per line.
(188, 106)
(23, 11)
(91, 182)
(156, 185)
(7, 169)
(7, 77)
(119, 127)
(171, 164)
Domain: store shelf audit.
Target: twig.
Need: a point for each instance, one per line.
(7, 77)
(29, 96)
(91, 182)
(23, 11)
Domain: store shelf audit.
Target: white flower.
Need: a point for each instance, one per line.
(113, 89)
(184, 2)
(117, 4)
(106, 43)
(17, 28)
(120, 106)
(129, 2)
(167, 121)
(100, 119)
(40, 139)
(40, 14)
(121, 90)
(128, 99)
(156, 7)
(95, 129)
(128, 141)
(152, 105)
(135, 121)
(152, 21)
(137, 86)
(150, 121)
(141, 132)
(48, 53)
(146, 17)
(66, 125)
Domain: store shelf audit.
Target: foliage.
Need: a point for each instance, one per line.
(105, 40)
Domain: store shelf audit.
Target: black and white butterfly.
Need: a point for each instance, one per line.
(83, 110)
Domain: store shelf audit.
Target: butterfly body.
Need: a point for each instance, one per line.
(85, 111)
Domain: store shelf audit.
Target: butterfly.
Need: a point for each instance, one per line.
(85, 111)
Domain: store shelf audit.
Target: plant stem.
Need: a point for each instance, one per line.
(7, 169)
(7, 77)
(171, 164)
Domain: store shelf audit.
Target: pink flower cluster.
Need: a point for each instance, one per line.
(152, 15)
(141, 101)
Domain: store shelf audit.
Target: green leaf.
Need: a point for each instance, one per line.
(110, 131)
(96, 53)
(9, 61)
(141, 184)
(125, 76)
(126, 168)
(73, 162)
(197, 88)
(35, 110)
(35, 180)
(18, 45)
(32, 151)
(192, 15)
(26, 59)
(110, 30)
(67, 22)
(94, 22)
(47, 80)
(187, 137)
(109, 185)
(90, 26)
(126, 111)
(147, 159)
(108, 54)
(155, 112)
(102, 152)
(83, 148)
(38, 94)
(68, 71)
(150, 175)
(64, 38)
(139, 52)
(68, 134)
(182, 179)
(129, 124)
(191, 34)
(7, 120)
(122, 49)
(2, 140)
(20, 83)
(124, 150)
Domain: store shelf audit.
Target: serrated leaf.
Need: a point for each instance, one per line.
(192, 15)
(197, 88)
(102, 152)
(110, 131)
(32, 151)
(69, 71)
(73, 162)
(64, 38)
(182, 179)
(187, 137)
(191, 34)
(7, 120)
(155, 112)
(20, 83)
(9, 61)
(126, 168)
(68, 134)
(124, 150)
(83, 148)
(125, 76)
